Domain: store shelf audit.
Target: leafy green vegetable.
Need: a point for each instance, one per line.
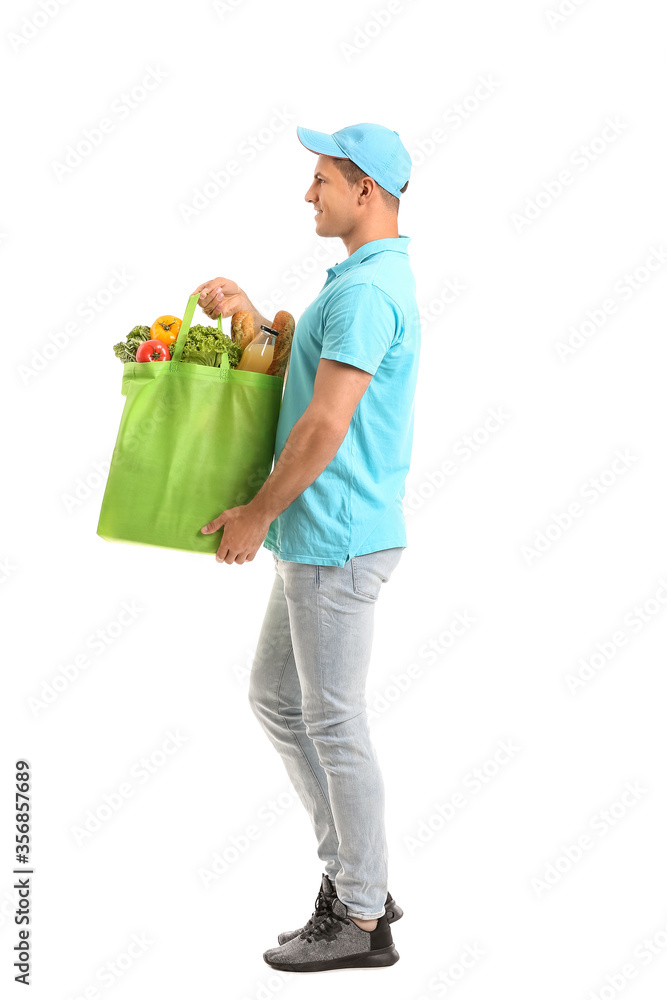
(205, 345)
(124, 352)
(127, 350)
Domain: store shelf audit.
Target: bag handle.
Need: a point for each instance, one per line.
(183, 336)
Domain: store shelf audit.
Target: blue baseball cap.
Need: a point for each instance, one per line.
(374, 148)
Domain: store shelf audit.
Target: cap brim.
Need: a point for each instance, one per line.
(319, 142)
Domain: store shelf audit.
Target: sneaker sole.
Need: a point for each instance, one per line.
(377, 959)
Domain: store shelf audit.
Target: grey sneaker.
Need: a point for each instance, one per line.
(335, 942)
(323, 902)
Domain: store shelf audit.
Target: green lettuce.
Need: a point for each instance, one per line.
(126, 350)
(205, 345)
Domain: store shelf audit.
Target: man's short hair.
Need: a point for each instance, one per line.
(352, 173)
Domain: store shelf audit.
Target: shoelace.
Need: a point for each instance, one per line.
(325, 924)
(322, 904)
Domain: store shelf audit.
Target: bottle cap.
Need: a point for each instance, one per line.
(269, 329)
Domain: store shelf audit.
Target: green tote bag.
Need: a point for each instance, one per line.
(193, 441)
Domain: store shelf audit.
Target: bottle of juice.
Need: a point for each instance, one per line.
(258, 355)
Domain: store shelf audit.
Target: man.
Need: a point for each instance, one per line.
(331, 513)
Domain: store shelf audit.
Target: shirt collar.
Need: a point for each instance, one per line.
(399, 244)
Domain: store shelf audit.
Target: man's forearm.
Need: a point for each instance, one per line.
(259, 320)
(311, 445)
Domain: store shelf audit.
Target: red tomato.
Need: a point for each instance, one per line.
(153, 350)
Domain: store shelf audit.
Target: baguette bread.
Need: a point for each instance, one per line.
(243, 329)
(284, 325)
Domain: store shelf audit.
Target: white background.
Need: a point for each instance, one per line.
(493, 879)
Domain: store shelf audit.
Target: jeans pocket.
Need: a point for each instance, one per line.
(372, 569)
(366, 581)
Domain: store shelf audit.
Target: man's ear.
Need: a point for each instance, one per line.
(367, 185)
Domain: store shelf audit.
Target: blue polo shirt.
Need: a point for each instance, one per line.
(366, 315)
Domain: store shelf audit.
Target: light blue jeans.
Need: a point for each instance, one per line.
(307, 688)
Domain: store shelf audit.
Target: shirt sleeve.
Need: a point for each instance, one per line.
(360, 325)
